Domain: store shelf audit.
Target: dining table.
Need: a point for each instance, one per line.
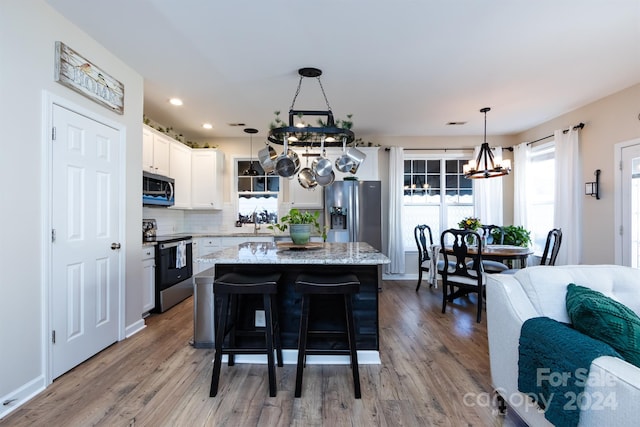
(500, 253)
(504, 253)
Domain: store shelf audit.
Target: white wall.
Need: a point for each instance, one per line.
(608, 121)
(28, 31)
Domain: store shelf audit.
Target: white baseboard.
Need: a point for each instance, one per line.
(134, 328)
(290, 357)
(16, 398)
(405, 276)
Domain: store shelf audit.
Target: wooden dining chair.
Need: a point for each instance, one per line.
(551, 247)
(492, 235)
(424, 242)
(550, 252)
(462, 278)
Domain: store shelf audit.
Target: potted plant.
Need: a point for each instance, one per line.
(300, 225)
(516, 235)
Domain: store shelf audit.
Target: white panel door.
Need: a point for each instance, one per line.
(85, 268)
(631, 205)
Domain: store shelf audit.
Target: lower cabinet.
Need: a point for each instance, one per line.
(148, 279)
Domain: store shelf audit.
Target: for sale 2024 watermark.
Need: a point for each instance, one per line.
(597, 396)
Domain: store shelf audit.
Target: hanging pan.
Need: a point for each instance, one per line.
(344, 163)
(357, 156)
(322, 167)
(267, 157)
(323, 181)
(288, 163)
(306, 176)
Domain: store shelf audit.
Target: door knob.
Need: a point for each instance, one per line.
(115, 246)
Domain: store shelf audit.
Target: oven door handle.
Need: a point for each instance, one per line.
(174, 244)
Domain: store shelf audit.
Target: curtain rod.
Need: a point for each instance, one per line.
(576, 127)
(444, 149)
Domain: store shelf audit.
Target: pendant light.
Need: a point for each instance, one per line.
(251, 171)
(485, 165)
(305, 134)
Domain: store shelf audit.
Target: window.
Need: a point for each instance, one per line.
(257, 194)
(540, 194)
(436, 193)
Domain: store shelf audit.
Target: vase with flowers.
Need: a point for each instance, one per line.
(472, 224)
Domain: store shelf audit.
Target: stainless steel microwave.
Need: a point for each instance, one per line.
(157, 190)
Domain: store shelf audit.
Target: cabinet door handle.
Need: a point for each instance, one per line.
(115, 246)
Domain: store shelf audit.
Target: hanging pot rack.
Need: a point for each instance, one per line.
(307, 136)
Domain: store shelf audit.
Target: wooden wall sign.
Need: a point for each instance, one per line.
(75, 72)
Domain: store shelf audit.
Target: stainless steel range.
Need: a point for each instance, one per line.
(174, 265)
(174, 268)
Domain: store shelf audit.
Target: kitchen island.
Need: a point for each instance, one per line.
(290, 260)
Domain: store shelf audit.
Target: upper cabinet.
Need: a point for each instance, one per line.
(300, 197)
(197, 172)
(206, 178)
(180, 170)
(155, 152)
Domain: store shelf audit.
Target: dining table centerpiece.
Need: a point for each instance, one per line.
(470, 223)
(300, 224)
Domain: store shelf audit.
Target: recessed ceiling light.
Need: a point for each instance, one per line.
(207, 125)
(456, 123)
(175, 101)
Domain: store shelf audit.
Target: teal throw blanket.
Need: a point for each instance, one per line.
(553, 367)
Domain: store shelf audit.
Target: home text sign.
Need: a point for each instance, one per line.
(75, 72)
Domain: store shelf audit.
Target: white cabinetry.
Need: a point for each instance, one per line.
(206, 178)
(303, 198)
(180, 170)
(300, 197)
(148, 279)
(155, 152)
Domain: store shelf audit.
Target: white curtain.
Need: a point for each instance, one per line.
(568, 196)
(487, 194)
(395, 250)
(521, 154)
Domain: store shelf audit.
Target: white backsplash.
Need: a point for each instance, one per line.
(170, 221)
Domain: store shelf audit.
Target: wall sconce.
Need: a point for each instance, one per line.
(593, 188)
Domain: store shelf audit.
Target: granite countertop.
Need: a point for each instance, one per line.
(359, 253)
(268, 234)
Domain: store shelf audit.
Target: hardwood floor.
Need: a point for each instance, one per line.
(434, 371)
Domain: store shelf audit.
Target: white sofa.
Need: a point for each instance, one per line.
(540, 291)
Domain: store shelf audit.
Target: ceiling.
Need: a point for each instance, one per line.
(402, 68)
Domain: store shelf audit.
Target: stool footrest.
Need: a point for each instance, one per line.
(243, 350)
(327, 352)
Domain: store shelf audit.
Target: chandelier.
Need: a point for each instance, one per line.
(300, 133)
(485, 165)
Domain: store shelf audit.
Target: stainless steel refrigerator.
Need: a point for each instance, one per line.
(352, 212)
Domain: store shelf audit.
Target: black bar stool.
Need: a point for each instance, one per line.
(229, 286)
(338, 284)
